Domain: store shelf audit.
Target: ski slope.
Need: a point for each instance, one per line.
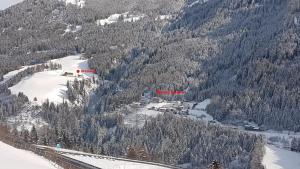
(13, 158)
(51, 84)
(277, 158)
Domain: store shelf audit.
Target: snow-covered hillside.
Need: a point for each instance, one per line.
(51, 84)
(13, 158)
(277, 158)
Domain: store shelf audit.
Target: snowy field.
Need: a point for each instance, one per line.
(199, 111)
(12, 158)
(277, 158)
(51, 84)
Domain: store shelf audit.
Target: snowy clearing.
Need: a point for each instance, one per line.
(51, 84)
(79, 3)
(276, 158)
(199, 112)
(163, 17)
(125, 17)
(13, 158)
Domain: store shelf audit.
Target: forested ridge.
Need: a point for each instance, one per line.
(244, 54)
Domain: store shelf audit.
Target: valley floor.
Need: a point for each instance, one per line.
(277, 158)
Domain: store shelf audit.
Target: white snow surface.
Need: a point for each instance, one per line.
(13, 158)
(296, 21)
(163, 17)
(7, 3)
(106, 163)
(79, 3)
(276, 158)
(51, 84)
(73, 29)
(199, 111)
(117, 17)
(198, 2)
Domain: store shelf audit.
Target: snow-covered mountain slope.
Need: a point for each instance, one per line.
(52, 84)
(276, 158)
(13, 158)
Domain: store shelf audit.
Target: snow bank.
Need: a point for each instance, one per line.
(112, 163)
(105, 162)
(12, 158)
(276, 158)
(11, 74)
(51, 84)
